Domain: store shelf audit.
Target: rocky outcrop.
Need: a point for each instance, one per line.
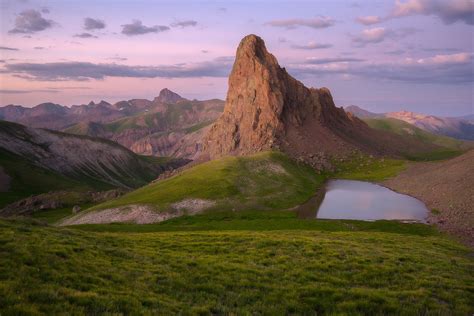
(267, 109)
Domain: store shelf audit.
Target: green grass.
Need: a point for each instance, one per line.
(267, 180)
(366, 168)
(448, 147)
(261, 221)
(54, 215)
(408, 130)
(45, 270)
(441, 154)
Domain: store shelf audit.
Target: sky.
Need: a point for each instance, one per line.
(384, 56)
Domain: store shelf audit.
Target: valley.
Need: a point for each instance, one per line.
(177, 206)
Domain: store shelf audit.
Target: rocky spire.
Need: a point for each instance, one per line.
(267, 109)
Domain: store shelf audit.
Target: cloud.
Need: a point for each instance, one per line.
(93, 24)
(8, 48)
(369, 20)
(379, 34)
(69, 88)
(6, 91)
(82, 71)
(39, 47)
(320, 61)
(183, 24)
(439, 69)
(137, 28)
(315, 23)
(460, 58)
(312, 45)
(30, 21)
(373, 35)
(395, 52)
(448, 11)
(85, 35)
(444, 49)
(117, 58)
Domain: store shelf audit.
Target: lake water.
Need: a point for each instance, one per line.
(347, 199)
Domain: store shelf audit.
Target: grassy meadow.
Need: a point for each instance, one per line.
(249, 261)
(319, 267)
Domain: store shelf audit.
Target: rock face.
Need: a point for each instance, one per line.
(267, 109)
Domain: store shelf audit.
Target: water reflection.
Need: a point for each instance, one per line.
(347, 199)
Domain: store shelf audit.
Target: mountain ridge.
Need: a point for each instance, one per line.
(456, 127)
(78, 157)
(169, 125)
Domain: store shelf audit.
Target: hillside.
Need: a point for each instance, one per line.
(39, 160)
(460, 128)
(449, 146)
(264, 181)
(447, 188)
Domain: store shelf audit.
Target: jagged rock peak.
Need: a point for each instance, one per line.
(168, 96)
(266, 109)
(253, 47)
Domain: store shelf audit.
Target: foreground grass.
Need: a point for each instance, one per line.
(261, 221)
(46, 270)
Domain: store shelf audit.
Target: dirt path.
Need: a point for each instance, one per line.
(447, 188)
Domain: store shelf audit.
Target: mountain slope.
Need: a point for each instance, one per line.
(265, 181)
(78, 157)
(446, 187)
(448, 146)
(444, 126)
(24, 179)
(460, 127)
(266, 109)
(170, 129)
(361, 113)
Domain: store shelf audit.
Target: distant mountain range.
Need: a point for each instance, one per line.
(456, 127)
(168, 125)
